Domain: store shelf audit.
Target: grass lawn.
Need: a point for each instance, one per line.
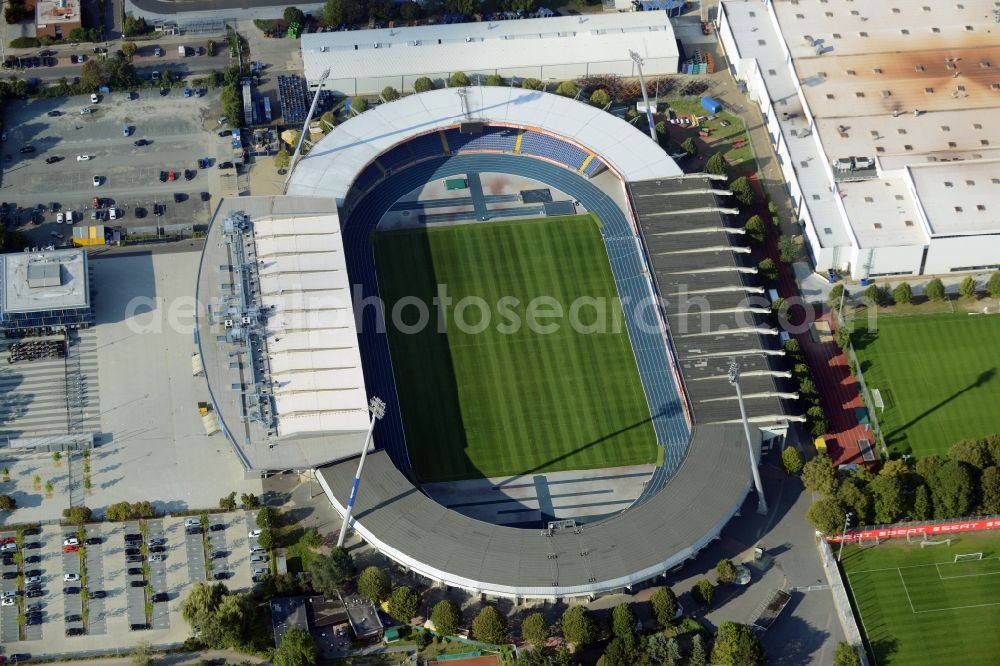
(918, 606)
(510, 400)
(740, 159)
(937, 375)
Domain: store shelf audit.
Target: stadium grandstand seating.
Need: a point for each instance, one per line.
(499, 139)
(552, 148)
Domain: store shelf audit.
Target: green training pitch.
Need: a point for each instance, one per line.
(508, 400)
(918, 606)
(937, 375)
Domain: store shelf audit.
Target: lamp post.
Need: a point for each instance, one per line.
(637, 59)
(377, 408)
(843, 536)
(734, 379)
(305, 127)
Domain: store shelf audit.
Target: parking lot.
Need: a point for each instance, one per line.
(69, 149)
(129, 571)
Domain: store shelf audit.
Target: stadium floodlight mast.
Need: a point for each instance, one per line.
(305, 128)
(377, 408)
(637, 59)
(843, 537)
(734, 379)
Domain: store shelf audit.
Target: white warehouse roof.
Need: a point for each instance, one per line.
(334, 162)
(312, 346)
(477, 47)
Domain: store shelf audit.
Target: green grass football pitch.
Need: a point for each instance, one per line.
(918, 606)
(508, 400)
(937, 375)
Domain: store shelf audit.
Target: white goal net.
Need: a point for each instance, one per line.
(927, 542)
(968, 556)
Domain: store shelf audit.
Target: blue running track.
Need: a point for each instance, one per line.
(651, 348)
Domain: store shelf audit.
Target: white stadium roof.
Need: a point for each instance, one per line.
(334, 163)
(312, 347)
(486, 46)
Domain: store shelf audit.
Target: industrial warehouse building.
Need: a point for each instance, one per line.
(885, 119)
(363, 62)
(44, 292)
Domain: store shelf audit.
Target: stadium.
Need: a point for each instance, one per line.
(297, 337)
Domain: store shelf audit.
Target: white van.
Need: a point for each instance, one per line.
(94, 99)
(190, 522)
(114, 214)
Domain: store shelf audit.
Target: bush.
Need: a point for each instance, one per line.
(118, 512)
(717, 164)
(788, 249)
(903, 293)
(600, 98)
(494, 80)
(755, 229)
(664, 603)
(968, 288)
(817, 420)
(934, 290)
(871, 296)
(837, 292)
(24, 43)
(532, 84)
(282, 160)
(390, 94)
(77, 515)
(7, 503)
(743, 191)
(791, 460)
(768, 270)
(459, 80)
(293, 15)
(703, 592)
(567, 89)
(725, 570)
(423, 84)
(689, 147)
(359, 104)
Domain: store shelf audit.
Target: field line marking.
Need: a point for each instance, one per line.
(912, 609)
(991, 573)
(940, 610)
(913, 566)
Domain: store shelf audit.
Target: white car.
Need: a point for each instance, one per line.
(71, 541)
(114, 213)
(31, 580)
(82, 158)
(60, 217)
(261, 571)
(97, 181)
(70, 217)
(9, 594)
(8, 601)
(94, 99)
(254, 534)
(71, 578)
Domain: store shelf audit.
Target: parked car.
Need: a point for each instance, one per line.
(74, 631)
(225, 165)
(98, 594)
(27, 149)
(205, 196)
(34, 593)
(94, 99)
(71, 541)
(71, 589)
(161, 596)
(132, 551)
(94, 541)
(54, 113)
(82, 158)
(138, 583)
(253, 534)
(97, 181)
(71, 577)
(52, 159)
(33, 579)
(141, 142)
(9, 601)
(134, 558)
(217, 527)
(85, 110)
(134, 571)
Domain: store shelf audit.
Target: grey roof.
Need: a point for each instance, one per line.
(47, 280)
(664, 529)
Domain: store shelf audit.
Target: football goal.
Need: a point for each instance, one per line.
(968, 556)
(868, 542)
(928, 542)
(916, 538)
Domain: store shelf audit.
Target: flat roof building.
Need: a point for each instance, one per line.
(56, 18)
(884, 119)
(45, 291)
(363, 62)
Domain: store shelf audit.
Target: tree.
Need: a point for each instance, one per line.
(871, 296)
(923, 505)
(535, 630)
(791, 460)
(210, 47)
(703, 592)
(993, 285)
(7, 503)
(621, 651)
(404, 603)
(359, 104)
(929, 465)
(282, 160)
(953, 489)
(989, 491)
(934, 290)
(567, 89)
(887, 497)
(725, 571)
(532, 84)
(600, 98)
(249, 501)
(697, 655)
(129, 49)
(855, 499)
(490, 626)
(788, 250)
(903, 293)
(826, 515)
(142, 655)
(968, 288)
(836, 293)
(846, 654)
(755, 229)
(768, 270)
(689, 147)
(737, 645)
(423, 84)
(743, 191)
(233, 622)
(494, 80)
(297, 647)
(374, 585)
(579, 626)
(331, 572)
(56, 457)
(973, 451)
(143, 509)
(266, 517)
(817, 419)
(409, 11)
(623, 620)
(447, 617)
(293, 15)
(459, 80)
(118, 511)
(266, 539)
(894, 468)
(77, 515)
(133, 26)
(198, 609)
(390, 94)
(717, 164)
(664, 603)
(232, 104)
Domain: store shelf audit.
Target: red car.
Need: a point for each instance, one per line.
(96, 203)
(171, 175)
(6, 540)
(70, 549)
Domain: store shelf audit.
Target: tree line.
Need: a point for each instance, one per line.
(966, 482)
